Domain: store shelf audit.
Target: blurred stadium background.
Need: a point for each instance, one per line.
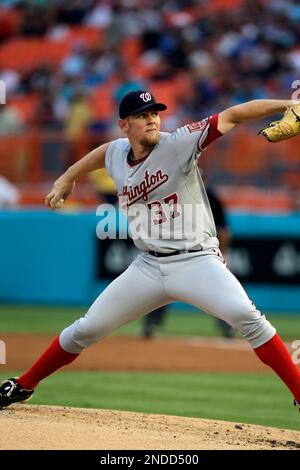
(65, 66)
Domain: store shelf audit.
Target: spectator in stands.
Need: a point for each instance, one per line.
(78, 122)
(11, 121)
(35, 19)
(80, 116)
(9, 194)
(253, 48)
(104, 61)
(45, 115)
(104, 187)
(42, 77)
(230, 54)
(74, 64)
(127, 83)
(11, 78)
(74, 12)
(100, 16)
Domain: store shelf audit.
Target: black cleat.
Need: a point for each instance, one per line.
(11, 392)
(297, 404)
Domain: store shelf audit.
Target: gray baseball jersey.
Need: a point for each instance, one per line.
(167, 184)
(164, 186)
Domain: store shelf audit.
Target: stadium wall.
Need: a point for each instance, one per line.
(56, 258)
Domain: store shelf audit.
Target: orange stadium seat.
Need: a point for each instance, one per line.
(102, 102)
(291, 179)
(183, 86)
(56, 51)
(287, 153)
(185, 16)
(130, 50)
(32, 197)
(165, 91)
(35, 195)
(219, 5)
(141, 70)
(90, 35)
(244, 198)
(245, 155)
(23, 54)
(19, 157)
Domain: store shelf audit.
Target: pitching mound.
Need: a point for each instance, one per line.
(53, 427)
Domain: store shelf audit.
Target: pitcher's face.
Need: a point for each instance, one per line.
(142, 128)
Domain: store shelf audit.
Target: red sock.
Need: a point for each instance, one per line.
(52, 359)
(275, 354)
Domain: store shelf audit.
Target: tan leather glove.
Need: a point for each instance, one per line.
(285, 128)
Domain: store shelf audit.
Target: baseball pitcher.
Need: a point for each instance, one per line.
(161, 191)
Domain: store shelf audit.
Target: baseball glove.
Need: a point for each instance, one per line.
(287, 127)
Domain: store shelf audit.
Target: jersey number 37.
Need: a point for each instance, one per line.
(161, 210)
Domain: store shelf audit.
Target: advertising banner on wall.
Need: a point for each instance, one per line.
(255, 260)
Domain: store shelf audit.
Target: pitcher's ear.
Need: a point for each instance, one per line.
(123, 125)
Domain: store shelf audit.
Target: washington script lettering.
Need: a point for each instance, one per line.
(144, 188)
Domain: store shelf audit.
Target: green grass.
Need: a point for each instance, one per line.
(24, 319)
(245, 398)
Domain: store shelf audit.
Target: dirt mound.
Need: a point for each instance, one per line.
(185, 354)
(44, 427)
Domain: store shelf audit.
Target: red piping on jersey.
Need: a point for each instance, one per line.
(206, 126)
(213, 132)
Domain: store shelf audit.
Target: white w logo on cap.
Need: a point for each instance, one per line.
(146, 97)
